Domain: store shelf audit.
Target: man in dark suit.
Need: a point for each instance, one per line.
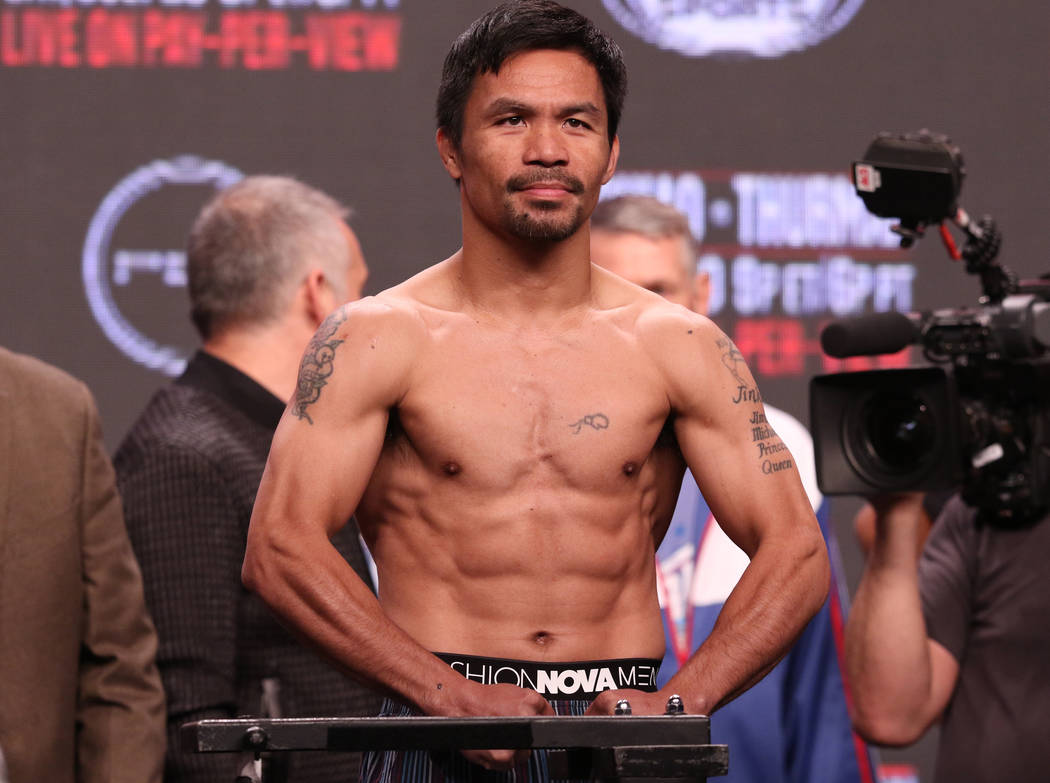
(80, 697)
(267, 260)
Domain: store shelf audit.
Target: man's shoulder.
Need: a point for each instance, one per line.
(182, 420)
(647, 315)
(38, 383)
(403, 315)
(391, 313)
(48, 416)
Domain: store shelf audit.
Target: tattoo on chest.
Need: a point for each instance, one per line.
(733, 361)
(316, 366)
(596, 421)
(772, 452)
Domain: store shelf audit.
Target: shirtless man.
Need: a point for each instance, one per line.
(511, 426)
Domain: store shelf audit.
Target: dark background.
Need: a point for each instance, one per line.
(977, 71)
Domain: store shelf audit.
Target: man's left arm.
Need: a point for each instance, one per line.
(751, 484)
(120, 701)
(818, 742)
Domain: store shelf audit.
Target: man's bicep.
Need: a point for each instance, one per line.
(331, 435)
(744, 469)
(316, 475)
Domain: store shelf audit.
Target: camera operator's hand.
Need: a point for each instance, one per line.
(902, 511)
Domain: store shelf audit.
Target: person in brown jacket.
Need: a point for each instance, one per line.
(80, 696)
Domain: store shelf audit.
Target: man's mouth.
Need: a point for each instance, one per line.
(547, 187)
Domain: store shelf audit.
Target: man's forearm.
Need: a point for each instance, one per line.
(779, 592)
(313, 590)
(887, 651)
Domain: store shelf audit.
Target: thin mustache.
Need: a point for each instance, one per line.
(524, 181)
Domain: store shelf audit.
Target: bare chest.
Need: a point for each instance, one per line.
(582, 409)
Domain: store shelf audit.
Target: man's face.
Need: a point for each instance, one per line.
(655, 264)
(534, 151)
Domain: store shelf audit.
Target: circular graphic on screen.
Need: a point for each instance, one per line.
(134, 262)
(702, 28)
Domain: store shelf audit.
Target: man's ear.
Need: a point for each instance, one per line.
(701, 292)
(318, 296)
(449, 154)
(614, 156)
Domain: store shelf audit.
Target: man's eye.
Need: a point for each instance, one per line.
(513, 120)
(573, 122)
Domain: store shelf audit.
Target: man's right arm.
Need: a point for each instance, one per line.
(325, 448)
(901, 680)
(355, 370)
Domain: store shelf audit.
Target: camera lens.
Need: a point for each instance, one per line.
(891, 437)
(900, 432)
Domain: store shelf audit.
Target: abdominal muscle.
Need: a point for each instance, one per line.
(540, 574)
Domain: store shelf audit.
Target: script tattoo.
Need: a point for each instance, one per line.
(316, 366)
(733, 361)
(772, 452)
(597, 421)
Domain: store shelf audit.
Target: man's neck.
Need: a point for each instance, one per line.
(525, 281)
(269, 356)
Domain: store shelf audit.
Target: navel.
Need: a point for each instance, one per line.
(542, 638)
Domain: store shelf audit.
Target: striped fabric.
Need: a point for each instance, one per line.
(421, 766)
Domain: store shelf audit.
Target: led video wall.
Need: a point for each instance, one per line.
(120, 117)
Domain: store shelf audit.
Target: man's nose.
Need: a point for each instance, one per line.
(545, 146)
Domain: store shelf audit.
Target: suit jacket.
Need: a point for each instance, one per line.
(80, 696)
(188, 471)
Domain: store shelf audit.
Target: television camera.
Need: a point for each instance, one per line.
(977, 417)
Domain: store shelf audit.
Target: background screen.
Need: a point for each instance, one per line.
(120, 117)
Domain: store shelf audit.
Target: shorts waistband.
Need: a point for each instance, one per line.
(558, 679)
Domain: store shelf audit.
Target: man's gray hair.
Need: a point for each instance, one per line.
(252, 245)
(649, 217)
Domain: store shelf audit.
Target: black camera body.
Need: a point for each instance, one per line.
(978, 418)
(983, 430)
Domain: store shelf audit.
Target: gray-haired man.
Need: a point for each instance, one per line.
(268, 259)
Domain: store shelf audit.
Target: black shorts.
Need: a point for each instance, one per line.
(570, 687)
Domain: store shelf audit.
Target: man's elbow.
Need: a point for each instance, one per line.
(816, 566)
(883, 727)
(259, 569)
(252, 570)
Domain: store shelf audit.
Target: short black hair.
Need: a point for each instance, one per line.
(522, 26)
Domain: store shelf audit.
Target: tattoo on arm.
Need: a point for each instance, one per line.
(597, 421)
(733, 361)
(772, 452)
(316, 366)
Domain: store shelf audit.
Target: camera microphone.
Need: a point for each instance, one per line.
(869, 335)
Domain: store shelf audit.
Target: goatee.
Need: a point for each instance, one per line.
(534, 228)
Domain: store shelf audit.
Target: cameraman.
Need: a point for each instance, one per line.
(957, 631)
